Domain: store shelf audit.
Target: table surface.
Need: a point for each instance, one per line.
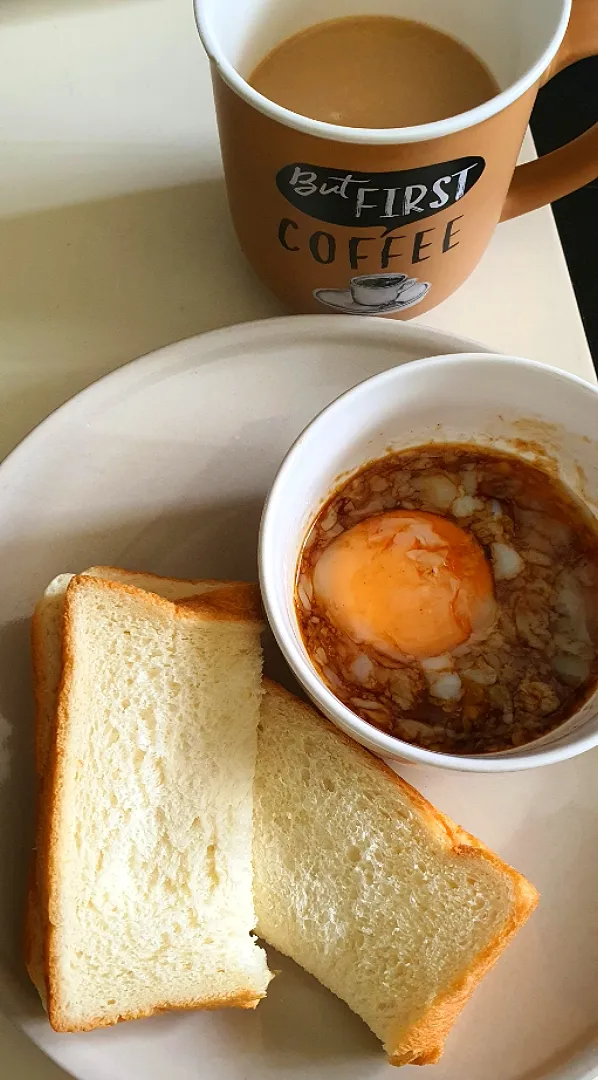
(115, 237)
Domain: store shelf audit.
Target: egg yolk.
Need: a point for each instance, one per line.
(407, 583)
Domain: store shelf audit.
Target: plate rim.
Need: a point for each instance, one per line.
(250, 328)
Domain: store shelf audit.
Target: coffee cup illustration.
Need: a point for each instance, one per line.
(375, 294)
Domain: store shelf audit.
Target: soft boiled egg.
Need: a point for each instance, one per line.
(407, 583)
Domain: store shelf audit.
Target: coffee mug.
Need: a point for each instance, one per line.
(389, 221)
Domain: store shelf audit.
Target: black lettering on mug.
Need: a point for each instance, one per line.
(389, 200)
(449, 234)
(283, 230)
(354, 255)
(418, 244)
(353, 250)
(387, 250)
(326, 256)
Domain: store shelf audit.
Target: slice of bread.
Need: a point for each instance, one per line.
(363, 883)
(144, 864)
(46, 634)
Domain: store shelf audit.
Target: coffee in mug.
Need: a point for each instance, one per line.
(389, 218)
(374, 71)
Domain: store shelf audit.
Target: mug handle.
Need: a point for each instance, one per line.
(572, 166)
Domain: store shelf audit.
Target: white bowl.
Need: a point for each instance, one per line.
(507, 403)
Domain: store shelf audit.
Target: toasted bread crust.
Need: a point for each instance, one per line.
(51, 800)
(234, 602)
(238, 601)
(423, 1043)
(138, 575)
(245, 999)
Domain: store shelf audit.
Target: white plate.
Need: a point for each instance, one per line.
(164, 466)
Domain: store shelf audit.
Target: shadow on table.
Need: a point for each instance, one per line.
(91, 286)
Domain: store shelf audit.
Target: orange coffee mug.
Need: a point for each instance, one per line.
(389, 221)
